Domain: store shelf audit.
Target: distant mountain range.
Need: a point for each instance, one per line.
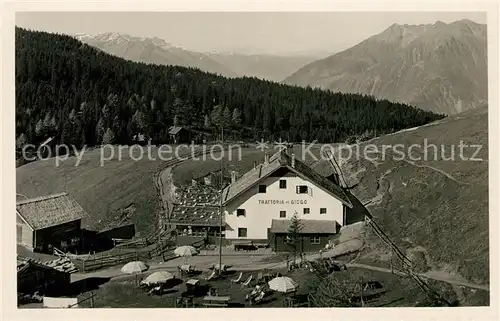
(158, 51)
(438, 67)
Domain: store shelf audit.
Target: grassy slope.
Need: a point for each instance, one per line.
(103, 191)
(421, 208)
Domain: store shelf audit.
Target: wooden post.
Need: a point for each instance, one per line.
(92, 299)
(362, 301)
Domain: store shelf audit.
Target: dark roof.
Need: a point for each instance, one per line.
(283, 160)
(24, 263)
(307, 226)
(175, 129)
(51, 210)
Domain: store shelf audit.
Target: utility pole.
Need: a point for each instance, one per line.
(220, 201)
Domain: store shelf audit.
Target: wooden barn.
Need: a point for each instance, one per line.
(49, 221)
(35, 276)
(179, 135)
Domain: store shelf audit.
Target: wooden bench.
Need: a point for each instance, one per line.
(216, 301)
(245, 247)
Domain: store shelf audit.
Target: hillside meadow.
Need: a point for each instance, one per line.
(435, 209)
(116, 192)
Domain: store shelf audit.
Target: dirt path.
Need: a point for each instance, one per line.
(164, 185)
(449, 176)
(427, 275)
(164, 182)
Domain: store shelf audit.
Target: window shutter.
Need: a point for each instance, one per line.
(297, 189)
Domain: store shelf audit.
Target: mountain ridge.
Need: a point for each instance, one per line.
(438, 67)
(159, 51)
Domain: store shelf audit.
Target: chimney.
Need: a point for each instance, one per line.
(233, 177)
(266, 158)
(293, 160)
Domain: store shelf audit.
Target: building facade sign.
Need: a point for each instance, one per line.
(277, 202)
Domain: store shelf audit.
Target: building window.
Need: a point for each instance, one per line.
(240, 212)
(302, 189)
(242, 232)
(262, 188)
(322, 210)
(315, 240)
(282, 213)
(307, 210)
(282, 183)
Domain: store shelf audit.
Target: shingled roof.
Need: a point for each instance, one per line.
(173, 130)
(283, 160)
(307, 226)
(51, 210)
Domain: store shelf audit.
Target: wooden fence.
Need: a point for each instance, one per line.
(163, 249)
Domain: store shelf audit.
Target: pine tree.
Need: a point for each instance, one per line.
(139, 119)
(206, 122)
(68, 133)
(53, 123)
(46, 121)
(217, 115)
(226, 117)
(99, 130)
(109, 137)
(294, 236)
(72, 115)
(236, 119)
(39, 128)
(21, 141)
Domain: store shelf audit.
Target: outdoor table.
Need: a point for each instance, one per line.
(216, 301)
(186, 267)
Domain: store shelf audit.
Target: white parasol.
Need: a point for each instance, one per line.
(283, 284)
(134, 267)
(158, 278)
(186, 251)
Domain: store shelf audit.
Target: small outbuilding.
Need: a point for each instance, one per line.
(34, 276)
(49, 221)
(179, 135)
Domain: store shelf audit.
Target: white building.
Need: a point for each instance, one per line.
(259, 205)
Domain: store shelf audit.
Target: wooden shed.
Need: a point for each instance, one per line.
(179, 135)
(34, 276)
(49, 221)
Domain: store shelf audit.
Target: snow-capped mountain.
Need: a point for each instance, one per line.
(230, 64)
(153, 50)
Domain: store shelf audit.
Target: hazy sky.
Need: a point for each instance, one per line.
(247, 32)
